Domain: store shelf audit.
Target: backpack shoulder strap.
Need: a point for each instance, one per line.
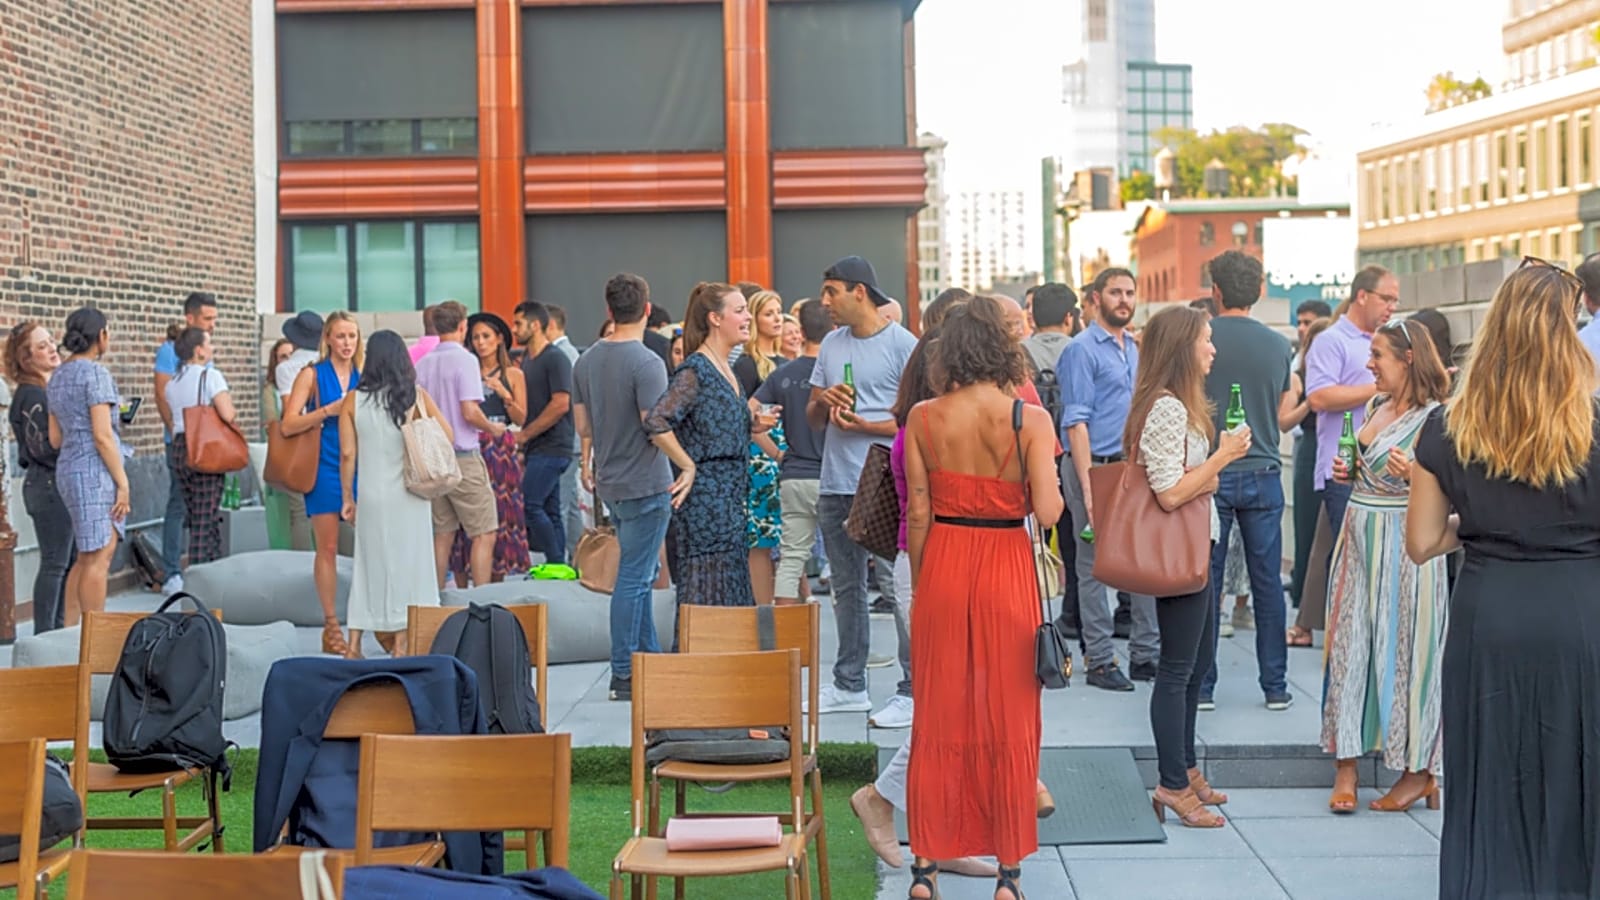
(449, 636)
(510, 664)
(766, 628)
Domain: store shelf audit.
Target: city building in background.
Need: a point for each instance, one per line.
(933, 250)
(989, 238)
(1116, 95)
(1174, 242)
(1306, 258)
(527, 157)
(1504, 176)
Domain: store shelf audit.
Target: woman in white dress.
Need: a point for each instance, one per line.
(394, 536)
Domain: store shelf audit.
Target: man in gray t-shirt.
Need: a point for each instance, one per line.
(614, 384)
(876, 351)
(1250, 491)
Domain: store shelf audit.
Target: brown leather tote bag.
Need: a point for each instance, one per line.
(292, 459)
(213, 446)
(1140, 547)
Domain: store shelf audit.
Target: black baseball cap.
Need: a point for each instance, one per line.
(857, 270)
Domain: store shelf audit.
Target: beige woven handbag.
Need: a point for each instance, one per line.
(431, 469)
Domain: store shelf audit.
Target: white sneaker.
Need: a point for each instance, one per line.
(895, 714)
(832, 700)
(172, 585)
(1225, 627)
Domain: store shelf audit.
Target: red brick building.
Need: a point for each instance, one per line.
(1172, 243)
(126, 181)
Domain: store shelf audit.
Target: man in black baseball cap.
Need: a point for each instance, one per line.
(857, 272)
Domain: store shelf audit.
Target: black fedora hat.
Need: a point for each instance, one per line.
(493, 321)
(304, 330)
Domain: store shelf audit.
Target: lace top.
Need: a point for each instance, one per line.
(1168, 447)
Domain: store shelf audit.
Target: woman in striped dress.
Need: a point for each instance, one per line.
(1386, 614)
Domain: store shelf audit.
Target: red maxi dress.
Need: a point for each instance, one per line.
(975, 738)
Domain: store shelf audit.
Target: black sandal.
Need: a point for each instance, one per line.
(924, 876)
(1007, 880)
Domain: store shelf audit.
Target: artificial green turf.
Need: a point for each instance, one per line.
(600, 821)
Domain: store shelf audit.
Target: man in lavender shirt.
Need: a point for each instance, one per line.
(1337, 379)
(450, 374)
(1588, 272)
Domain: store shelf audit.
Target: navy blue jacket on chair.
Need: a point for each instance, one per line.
(310, 784)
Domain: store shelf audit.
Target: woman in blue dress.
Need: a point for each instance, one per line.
(315, 402)
(703, 424)
(82, 400)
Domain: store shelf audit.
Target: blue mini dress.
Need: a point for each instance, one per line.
(326, 495)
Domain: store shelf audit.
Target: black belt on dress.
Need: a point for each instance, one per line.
(969, 522)
(1104, 460)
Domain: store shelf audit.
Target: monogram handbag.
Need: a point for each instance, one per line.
(292, 459)
(213, 445)
(1052, 660)
(598, 555)
(1156, 552)
(874, 520)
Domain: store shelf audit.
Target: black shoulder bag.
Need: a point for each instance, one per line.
(1052, 660)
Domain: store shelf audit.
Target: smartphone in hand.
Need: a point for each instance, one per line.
(126, 407)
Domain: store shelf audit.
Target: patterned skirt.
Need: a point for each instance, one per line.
(764, 522)
(500, 457)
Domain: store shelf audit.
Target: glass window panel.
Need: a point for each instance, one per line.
(1446, 187)
(319, 259)
(386, 267)
(1521, 163)
(1541, 158)
(1502, 159)
(382, 137)
(450, 262)
(1563, 154)
(450, 136)
(1585, 147)
(316, 138)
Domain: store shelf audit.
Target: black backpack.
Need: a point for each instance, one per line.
(63, 814)
(734, 746)
(1044, 381)
(164, 710)
(489, 639)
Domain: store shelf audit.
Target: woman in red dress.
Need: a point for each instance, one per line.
(975, 740)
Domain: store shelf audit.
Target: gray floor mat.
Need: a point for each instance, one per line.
(1100, 798)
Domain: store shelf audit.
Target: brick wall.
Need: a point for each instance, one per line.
(126, 181)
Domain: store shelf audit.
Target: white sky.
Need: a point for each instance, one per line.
(988, 70)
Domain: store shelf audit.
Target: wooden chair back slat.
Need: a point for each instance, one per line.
(423, 624)
(733, 629)
(377, 707)
(39, 702)
(465, 783)
(109, 875)
(102, 636)
(22, 788)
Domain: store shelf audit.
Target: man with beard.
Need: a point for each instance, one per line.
(1096, 374)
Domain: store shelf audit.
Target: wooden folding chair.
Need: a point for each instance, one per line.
(21, 812)
(715, 690)
(423, 624)
(40, 703)
(733, 629)
(439, 783)
(99, 650)
(111, 875)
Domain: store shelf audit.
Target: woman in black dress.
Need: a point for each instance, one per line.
(703, 424)
(1511, 471)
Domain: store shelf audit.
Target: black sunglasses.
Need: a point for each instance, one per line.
(1536, 262)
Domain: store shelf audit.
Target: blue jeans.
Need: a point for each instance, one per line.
(172, 525)
(641, 526)
(1254, 500)
(1335, 498)
(850, 613)
(541, 505)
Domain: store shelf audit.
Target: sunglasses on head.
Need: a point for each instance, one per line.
(1398, 327)
(1536, 262)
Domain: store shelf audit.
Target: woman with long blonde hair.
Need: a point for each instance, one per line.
(1509, 471)
(1169, 431)
(763, 353)
(315, 402)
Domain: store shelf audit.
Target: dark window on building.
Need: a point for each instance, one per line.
(1241, 233)
(387, 265)
(1261, 230)
(371, 83)
(1208, 234)
(1205, 276)
(837, 74)
(806, 242)
(618, 79)
(571, 256)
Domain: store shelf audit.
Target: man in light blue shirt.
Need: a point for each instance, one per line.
(1096, 374)
(1588, 272)
(199, 311)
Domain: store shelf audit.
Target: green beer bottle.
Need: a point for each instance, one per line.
(1347, 446)
(1087, 534)
(1234, 417)
(850, 382)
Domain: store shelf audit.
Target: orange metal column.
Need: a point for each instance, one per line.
(744, 40)
(502, 257)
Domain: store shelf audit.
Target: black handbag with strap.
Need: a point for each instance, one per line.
(728, 746)
(1052, 660)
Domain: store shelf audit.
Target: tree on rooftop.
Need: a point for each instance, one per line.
(1446, 90)
(1253, 157)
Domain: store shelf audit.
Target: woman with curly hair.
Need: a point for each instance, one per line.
(977, 462)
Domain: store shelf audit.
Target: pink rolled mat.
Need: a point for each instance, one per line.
(724, 834)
